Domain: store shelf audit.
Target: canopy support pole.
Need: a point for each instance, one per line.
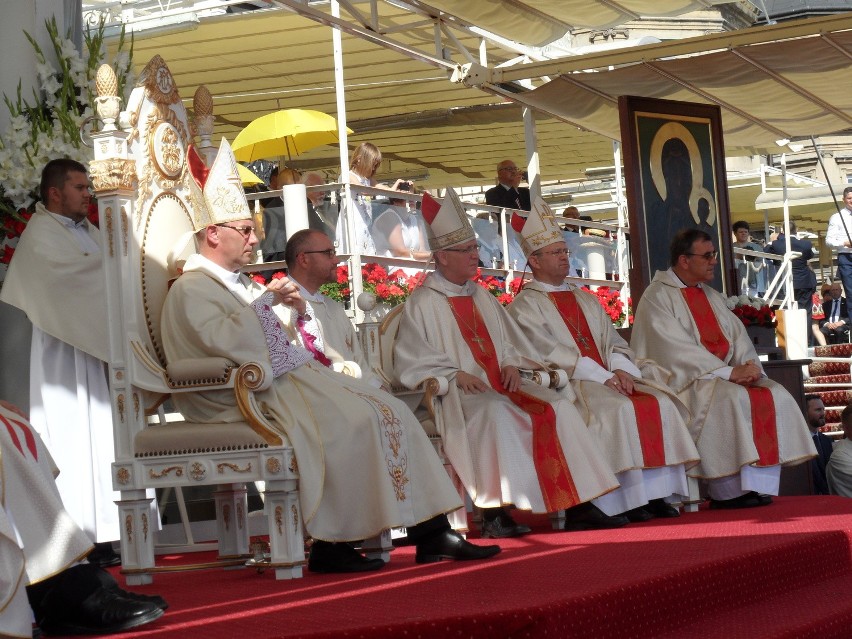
(621, 240)
(347, 206)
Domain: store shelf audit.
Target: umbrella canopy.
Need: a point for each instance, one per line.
(247, 177)
(288, 132)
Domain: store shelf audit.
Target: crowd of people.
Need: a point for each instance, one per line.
(614, 436)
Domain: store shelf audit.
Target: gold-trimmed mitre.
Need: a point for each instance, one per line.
(216, 193)
(540, 228)
(446, 223)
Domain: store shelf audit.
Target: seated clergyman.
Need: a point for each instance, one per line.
(41, 547)
(638, 423)
(744, 425)
(512, 442)
(365, 464)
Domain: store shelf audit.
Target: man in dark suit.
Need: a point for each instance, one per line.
(507, 193)
(823, 443)
(835, 327)
(804, 279)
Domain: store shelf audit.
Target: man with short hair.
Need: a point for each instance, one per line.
(508, 193)
(512, 442)
(365, 464)
(744, 425)
(838, 237)
(56, 278)
(324, 329)
(824, 444)
(748, 266)
(838, 471)
(322, 212)
(804, 278)
(638, 423)
(835, 327)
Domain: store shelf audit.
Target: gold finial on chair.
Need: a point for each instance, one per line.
(105, 82)
(202, 102)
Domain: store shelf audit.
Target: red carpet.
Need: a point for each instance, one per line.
(779, 571)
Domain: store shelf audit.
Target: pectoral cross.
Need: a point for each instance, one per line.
(582, 341)
(479, 342)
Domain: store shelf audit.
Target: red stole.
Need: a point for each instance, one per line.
(649, 421)
(763, 424)
(554, 476)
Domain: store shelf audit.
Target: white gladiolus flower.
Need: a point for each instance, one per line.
(731, 303)
(744, 300)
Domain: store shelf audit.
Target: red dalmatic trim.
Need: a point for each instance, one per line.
(764, 427)
(649, 422)
(30, 438)
(554, 476)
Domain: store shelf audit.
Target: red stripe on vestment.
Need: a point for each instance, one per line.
(554, 476)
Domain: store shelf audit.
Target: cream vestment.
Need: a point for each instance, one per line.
(365, 463)
(489, 439)
(721, 424)
(38, 539)
(56, 278)
(610, 415)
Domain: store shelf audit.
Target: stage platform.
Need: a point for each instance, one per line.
(779, 571)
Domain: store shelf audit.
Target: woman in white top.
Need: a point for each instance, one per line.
(398, 231)
(363, 166)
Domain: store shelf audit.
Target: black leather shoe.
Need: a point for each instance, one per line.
(328, 557)
(589, 517)
(102, 612)
(748, 500)
(451, 545)
(659, 508)
(157, 600)
(104, 556)
(636, 515)
(502, 527)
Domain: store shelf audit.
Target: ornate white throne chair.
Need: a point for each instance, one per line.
(425, 402)
(140, 178)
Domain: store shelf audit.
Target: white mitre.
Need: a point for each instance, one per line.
(216, 193)
(446, 223)
(539, 229)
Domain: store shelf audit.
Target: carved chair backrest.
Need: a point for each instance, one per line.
(162, 220)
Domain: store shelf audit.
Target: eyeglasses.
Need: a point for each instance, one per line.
(710, 255)
(470, 250)
(245, 231)
(327, 252)
(559, 252)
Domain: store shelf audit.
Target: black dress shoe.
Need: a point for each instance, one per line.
(104, 556)
(659, 508)
(502, 527)
(589, 517)
(157, 600)
(748, 500)
(451, 545)
(637, 515)
(338, 557)
(102, 612)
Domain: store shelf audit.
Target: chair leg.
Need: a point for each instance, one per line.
(690, 505)
(231, 524)
(557, 520)
(137, 536)
(379, 546)
(284, 518)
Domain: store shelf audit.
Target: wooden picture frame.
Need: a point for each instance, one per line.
(674, 171)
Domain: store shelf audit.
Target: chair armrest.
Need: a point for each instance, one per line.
(432, 388)
(202, 371)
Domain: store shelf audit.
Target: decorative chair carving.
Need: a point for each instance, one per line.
(140, 178)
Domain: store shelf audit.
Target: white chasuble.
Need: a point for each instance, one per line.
(489, 439)
(38, 539)
(365, 463)
(721, 423)
(610, 415)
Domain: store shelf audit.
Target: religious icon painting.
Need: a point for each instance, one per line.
(674, 168)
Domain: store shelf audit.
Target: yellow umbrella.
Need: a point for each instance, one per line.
(247, 177)
(287, 132)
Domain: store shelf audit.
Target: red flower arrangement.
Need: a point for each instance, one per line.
(750, 315)
(610, 299)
